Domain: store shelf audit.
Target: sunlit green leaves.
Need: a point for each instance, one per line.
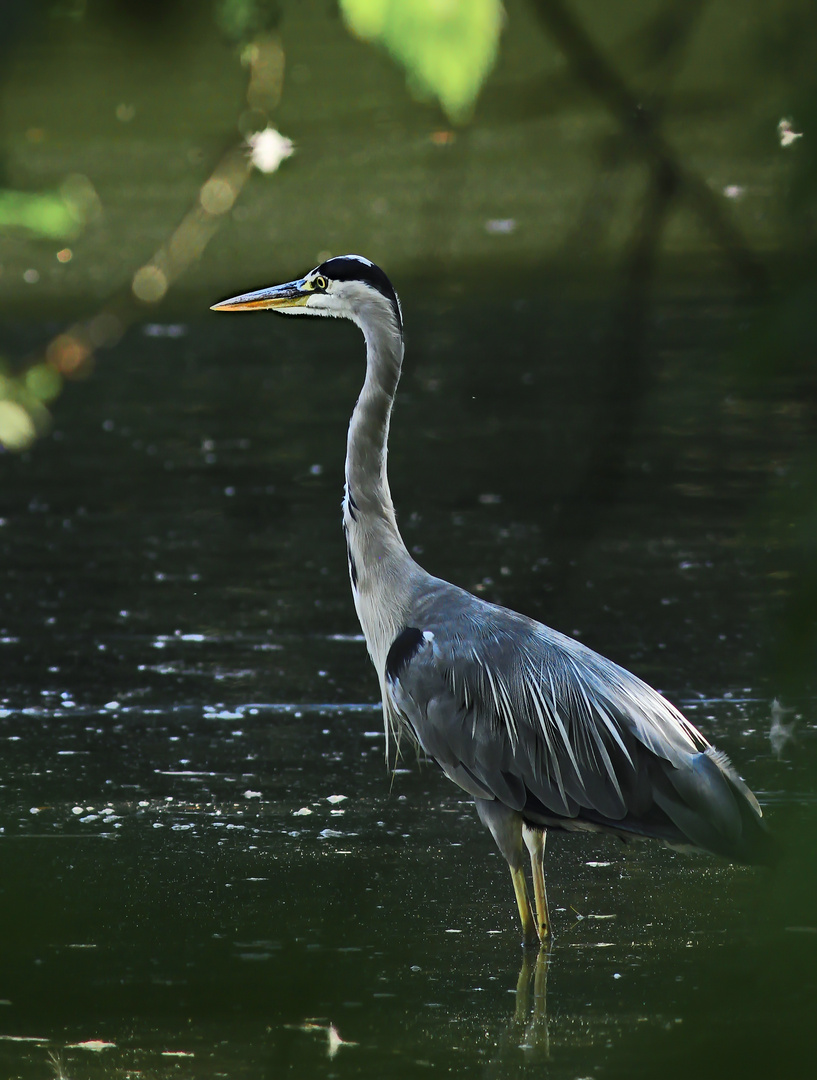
(448, 47)
(49, 216)
(58, 215)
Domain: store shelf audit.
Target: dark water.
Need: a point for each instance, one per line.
(203, 861)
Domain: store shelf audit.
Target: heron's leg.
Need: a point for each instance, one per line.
(520, 888)
(535, 843)
(506, 828)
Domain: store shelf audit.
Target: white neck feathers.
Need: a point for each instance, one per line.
(380, 567)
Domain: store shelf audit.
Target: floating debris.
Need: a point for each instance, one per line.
(780, 733)
(334, 1041)
(96, 1045)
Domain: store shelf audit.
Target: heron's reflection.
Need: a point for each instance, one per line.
(528, 1028)
(530, 1014)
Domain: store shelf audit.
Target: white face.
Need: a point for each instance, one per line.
(337, 299)
(334, 298)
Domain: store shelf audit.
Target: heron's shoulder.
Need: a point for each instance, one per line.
(438, 601)
(468, 641)
(449, 630)
(459, 619)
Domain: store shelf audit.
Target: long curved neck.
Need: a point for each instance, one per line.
(380, 567)
(367, 481)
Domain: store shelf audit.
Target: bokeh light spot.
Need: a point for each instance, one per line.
(67, 354)
(66, 255)
(149, 284)
(17, 429)
(43, 382)
(217, 196)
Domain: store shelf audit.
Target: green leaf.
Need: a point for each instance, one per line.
(50, 216)
(448, 47)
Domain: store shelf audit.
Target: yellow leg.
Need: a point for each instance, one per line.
(520, 888)
(508, 830)
(535, 843)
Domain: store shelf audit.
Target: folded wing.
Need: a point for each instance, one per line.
(514, 711)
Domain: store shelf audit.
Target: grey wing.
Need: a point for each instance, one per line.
(516, 712)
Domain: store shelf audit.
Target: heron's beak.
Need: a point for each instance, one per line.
(282, 297)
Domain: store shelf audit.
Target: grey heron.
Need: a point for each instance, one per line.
(543, 732)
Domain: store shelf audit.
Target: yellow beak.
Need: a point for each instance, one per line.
(282, 297)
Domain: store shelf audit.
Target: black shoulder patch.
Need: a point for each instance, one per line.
(403, 648)
(356, 268)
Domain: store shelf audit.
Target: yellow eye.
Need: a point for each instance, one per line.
(320, 283)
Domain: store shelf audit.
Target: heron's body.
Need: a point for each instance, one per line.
(540, 730)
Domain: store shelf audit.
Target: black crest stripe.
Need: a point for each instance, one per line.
(350, 268)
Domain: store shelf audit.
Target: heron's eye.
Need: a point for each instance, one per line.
(320, 283)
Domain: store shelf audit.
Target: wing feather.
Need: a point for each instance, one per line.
(514, 711)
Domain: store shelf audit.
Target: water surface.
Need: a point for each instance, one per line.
(205, 862)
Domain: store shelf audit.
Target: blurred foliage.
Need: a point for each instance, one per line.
(448, 47)
(49, 216)
(242, 20)
(53, 215)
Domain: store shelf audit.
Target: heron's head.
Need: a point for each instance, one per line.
(347, 287)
